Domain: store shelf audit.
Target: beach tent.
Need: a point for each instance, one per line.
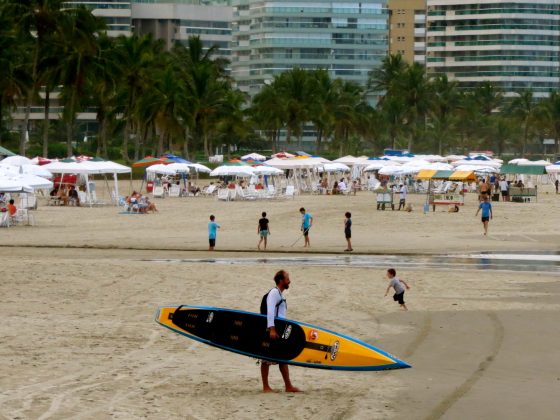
(553, 169)
(267, 170)
(16, 160)
(523, 169)
(228, 170)
(5, 152)
(464, 176)
(534, 163)
(11, 185)
(160, 168)
(334, 167)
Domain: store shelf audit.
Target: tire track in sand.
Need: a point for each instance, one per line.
(466, 386)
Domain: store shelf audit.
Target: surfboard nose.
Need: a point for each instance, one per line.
(399, 364)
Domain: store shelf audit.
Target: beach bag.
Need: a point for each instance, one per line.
(264, 306)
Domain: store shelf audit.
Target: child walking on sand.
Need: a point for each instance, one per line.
(212, 232)
(399, 286)
(348, 230)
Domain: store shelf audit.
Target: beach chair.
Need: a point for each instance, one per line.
(27, 201)
(158, 192)
(223, 194)
(23, 216)
(290, 192)
(209, 190)
(5, 219)
(83, 198)
(174, 191)
(94, 200)
(244, 194)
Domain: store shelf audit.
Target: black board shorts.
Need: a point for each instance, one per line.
(212, 242)
(306, 231)
(485, 219)
(347, 233)
(399, 297)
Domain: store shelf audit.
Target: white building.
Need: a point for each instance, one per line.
(514, 44)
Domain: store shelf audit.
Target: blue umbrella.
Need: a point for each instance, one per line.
(176, 158)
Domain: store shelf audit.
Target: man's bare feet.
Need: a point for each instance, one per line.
(293, 389)
(268, 389)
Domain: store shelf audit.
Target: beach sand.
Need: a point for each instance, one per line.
(80, 289)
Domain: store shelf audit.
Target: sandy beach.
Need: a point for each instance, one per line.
(79, 291)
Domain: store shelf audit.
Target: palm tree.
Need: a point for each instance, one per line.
(268, 113)
(80, 51)
(293, 87)
(323, 94)
(138, 57)
(550, 115)
(349, 99)
(525, 109)
(384, 79)
(393, 111)
(36, 19)
(445, 99)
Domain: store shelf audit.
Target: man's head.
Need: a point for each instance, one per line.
(282, 279)
(263, 214)
(12, 201)
(348, 215)
(302, 210)
(391, 272)
(212, 218)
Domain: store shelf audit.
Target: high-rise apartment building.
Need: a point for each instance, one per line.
(176, 20)
(116, 13)
(407, 29)
(346, 37)
(514, 44)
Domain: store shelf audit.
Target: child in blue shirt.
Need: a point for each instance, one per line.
(212, 232)
(486, 208)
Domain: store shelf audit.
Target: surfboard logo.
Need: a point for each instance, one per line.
(287, 332)
(210, 317)
(313, 335)
(334, 350)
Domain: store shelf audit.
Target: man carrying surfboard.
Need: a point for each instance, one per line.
(276, 308)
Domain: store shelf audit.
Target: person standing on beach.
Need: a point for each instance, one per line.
(306, 223)
(403, 192)
(263, 229)
(212, 232)
(276, 308)
(556, 184)
(348, 230)
(504, 187)
(486, 208)
(399, 285)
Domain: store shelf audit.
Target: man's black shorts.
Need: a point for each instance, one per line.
(212, 242)
(505, 193)
(348, 233)
(485, 219)
(306, 232)
(399, 297)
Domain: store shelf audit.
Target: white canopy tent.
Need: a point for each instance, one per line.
(239, 171)
(26, 169)
(161, 169)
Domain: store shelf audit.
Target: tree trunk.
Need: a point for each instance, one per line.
(46, 123)
(160, 142)
(102, 138)
(186, 144)
(206, 151)
(69, 135)
(23, 134)
(319, 141)
(1, 120)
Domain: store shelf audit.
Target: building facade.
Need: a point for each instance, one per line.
(116, 13)
(346, 37)
(179, 20)
(514, 44)
(407, 29)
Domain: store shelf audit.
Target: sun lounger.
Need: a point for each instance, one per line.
(158, 192)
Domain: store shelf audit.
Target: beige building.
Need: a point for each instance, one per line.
(407, 29)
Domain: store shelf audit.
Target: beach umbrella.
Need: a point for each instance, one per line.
(267, 170)
(535, 163)
(200, 168)
(517, 161)
(254, 156)
(334, 167)
(160, 168)
(16, 160)
(283, 155)
(27, 169)
(147, 161)
(11, 185)
(32, 181)
(553, 169)
(241, 171)
(179, 167)
(38, 160)
(174, 158)
(391, 171)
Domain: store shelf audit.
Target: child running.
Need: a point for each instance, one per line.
(212, 232)
(396, 284)
(348, 230)
(263, 229)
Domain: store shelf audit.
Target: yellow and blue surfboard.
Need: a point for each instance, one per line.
(299, 344)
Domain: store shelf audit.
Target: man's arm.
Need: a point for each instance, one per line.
(272, 301)
(477, 211)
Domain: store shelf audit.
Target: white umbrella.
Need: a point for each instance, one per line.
(26, 169)
(477, 168)
(16, 160)
(453, 158)
(241, 171)
(391, 170)
(32, 181)
(347, 160)
(334, 167)
(376, 165)
(179, 167)
(160, 168)
(200, 168)
(535, 163)
(253, 156)
(480, 163)
(11, 185)
(267, 170)
(553, 169)
(517, 161)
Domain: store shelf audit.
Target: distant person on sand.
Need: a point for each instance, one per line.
(556, 184)
(348, 230)
(263, 229)
(306, 223)
(212, 232)
(486, 208)
(276, 308)
(399, 285)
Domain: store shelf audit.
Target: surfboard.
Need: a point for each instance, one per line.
(300, 344)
